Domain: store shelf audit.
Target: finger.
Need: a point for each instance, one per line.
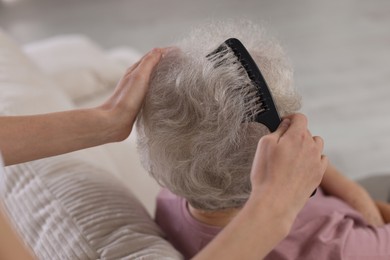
(135, 65)
(298, 125)
(132, 67)
(284, 125)
(324, 163)
(139, 79)
(319, 141)
(164, 51)
(144, 69)
(129, 72)
(167, 50)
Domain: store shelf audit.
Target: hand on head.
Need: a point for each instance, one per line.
(130, 92)
(289, 162)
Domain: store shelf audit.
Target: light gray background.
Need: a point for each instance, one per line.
(340, 51)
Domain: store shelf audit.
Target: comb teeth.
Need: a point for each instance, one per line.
(261, 99)
(266, 113)
(225, 56)
(217, 55)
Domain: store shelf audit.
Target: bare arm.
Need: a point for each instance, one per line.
(25, 138)
(384, 208)
(336, 184)
(288, 166)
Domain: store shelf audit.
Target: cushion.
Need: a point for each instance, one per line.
(124, 56)
(24, 89)
(68, 209)
(79, 65)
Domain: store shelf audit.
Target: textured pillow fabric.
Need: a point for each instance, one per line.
(67, 209)
(79, 65)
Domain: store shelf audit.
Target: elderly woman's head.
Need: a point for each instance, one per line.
(196, 134)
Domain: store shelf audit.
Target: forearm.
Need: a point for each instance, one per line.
(25, 138)
(335, 184)
(384, 208)
(254, 232)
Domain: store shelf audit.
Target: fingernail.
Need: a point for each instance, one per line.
(156, 50)
(167, 50)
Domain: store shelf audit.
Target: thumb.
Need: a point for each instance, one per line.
(284, 125)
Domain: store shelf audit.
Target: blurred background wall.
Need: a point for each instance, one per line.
(339, 49)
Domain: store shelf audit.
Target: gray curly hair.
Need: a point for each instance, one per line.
(195, 134)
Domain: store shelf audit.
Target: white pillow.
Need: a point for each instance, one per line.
(78, 64)
(67, 209)
(24, 89)
(124, 56)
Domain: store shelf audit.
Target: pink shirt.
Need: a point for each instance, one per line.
(326, 228)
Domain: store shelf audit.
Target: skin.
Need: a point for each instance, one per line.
(384, 209)
(280, 165)
(336, 184)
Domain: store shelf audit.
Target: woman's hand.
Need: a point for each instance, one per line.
(288, 165)
(26, 138)
(122, 107)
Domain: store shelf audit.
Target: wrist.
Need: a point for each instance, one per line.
(115, 124)
(352, 193)
(279, 210)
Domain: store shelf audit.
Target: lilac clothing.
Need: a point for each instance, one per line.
(186, 234)
(326, 228)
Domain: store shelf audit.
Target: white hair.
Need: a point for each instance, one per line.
(196, 134)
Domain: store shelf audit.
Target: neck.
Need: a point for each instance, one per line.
(219, 218)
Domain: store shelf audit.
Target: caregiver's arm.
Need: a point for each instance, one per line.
(336, 184)
(25, 138)
(288, 166)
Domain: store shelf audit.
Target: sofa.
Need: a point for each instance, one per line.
(96, 203)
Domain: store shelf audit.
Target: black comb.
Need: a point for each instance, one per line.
(268, 114)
